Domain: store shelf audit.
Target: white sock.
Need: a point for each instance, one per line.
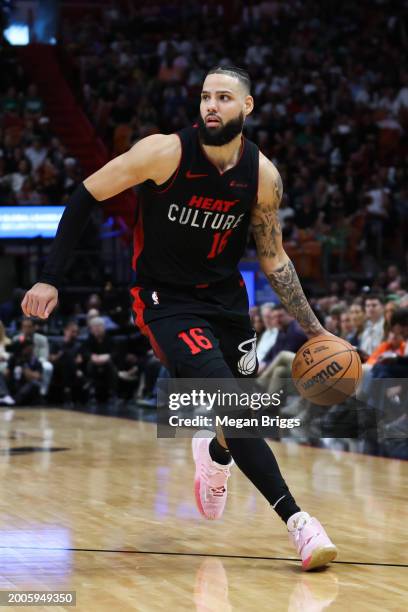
(297, 519)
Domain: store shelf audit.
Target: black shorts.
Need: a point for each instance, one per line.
(200, 333)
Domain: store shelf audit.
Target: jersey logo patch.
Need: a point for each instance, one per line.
(155, 298)
(190, 175)
(237, 184)
(247, 363)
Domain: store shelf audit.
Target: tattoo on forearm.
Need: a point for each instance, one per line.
(286, 284)
(267, 231)
(266, 228)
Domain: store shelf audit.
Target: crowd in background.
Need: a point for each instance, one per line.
(101, 356)
(92, 353)
(35, 166)
(331, 103)
(331, 110)
(377, 325)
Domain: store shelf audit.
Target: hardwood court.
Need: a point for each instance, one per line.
(100, 506)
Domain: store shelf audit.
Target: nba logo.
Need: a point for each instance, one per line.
(307, 356)
(155, 298)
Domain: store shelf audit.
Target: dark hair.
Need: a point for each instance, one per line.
(239, 73)
(70, 323)
(374, 296)
(399, 317)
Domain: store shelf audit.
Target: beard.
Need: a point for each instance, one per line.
(222, 135)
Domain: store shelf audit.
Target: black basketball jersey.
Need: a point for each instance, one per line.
(192, 230)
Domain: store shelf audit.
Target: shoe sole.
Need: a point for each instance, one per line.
(320, 557)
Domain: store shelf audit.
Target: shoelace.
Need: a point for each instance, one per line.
(218, 491)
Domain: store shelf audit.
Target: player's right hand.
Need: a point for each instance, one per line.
(40, 301)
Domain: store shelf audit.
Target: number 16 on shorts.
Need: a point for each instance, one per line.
(195, 340)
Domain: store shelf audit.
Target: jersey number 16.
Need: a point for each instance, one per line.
(219, 243)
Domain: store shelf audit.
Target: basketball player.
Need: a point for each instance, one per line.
(200, 189)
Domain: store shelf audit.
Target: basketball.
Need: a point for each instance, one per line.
(326, 370)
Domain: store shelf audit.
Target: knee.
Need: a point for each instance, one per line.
(47, 368)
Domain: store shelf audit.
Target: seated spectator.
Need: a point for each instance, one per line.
(93, 308)
(4, 348)
(332, 321)
(66, 357)
(36, 153)
(18, 177)
(98, 352)
(28, 194)
(151, 368)
(269, 314)
(394, 346)
(373, 332)
(395, 365)
(41, 351)
(393, 276)
(357, 318)
(24, 374)
(331, 324)
(127, 361)
(280, 357)
(392, 368)
(389, 309)
(258, 325)
(5, 398)
(346, 327)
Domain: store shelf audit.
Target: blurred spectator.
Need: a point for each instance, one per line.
(4, 348)
(24, 374)
(389, 309)
(280, 357)
(258, 325)
(389, 398)
(394, 278)
(394, 346)
(67, 361)
(5, 398)
(98, 353)
(357, 317)
(395, 365)
(36, 154)
(270, 317)
(28, 194)
(373, 332)
(41, 351)
(346, 327)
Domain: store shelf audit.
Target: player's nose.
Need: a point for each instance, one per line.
(211, 106)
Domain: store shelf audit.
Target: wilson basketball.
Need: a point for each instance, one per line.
(326, 370)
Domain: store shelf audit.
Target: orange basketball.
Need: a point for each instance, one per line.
(326, 370)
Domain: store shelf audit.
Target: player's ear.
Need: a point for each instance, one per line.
(249, 105)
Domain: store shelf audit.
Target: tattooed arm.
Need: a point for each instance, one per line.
(275, 263)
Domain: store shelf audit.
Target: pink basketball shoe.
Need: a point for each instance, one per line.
(210, 483)
(311, 541)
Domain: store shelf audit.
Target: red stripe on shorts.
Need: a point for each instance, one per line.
(139, 308)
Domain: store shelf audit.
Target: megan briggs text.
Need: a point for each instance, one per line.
(226, 421)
